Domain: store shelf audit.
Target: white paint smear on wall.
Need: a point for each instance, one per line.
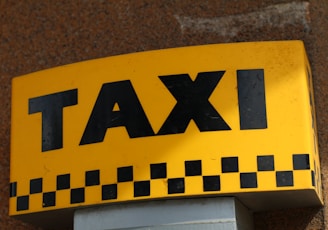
(275, 16)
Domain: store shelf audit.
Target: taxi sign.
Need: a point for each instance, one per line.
(212, 120)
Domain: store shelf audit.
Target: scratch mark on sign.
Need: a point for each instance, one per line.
(275, 16)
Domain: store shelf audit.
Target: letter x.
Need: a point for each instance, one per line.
(192, 103)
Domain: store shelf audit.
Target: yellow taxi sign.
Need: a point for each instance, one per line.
(227, 119)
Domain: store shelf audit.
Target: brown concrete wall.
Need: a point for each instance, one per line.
(40, 34)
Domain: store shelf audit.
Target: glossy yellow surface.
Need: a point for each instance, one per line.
(290, 129)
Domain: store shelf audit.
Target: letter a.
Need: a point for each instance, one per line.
(131, 114)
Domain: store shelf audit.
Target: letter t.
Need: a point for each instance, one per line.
(51, 106)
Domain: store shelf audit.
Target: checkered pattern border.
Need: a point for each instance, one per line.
(192, 168)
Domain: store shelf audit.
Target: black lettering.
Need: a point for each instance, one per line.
(192, 103)
(251, 99)
(130, 113)
(51, 106)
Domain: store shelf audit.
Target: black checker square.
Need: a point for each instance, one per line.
(158, 171)
(63, 181)
(211, 183)
(284, 178)
(13, 189)
(313, 178)
(77, 195)
(265, 163)
(49, 199)
(176, 185)
(22, 203)
(193, 168)
(229, 164)
(109, 192)
(36, 185)
(92, 178)
(125, 174)
(248, 180)
(141, 188)
(301, 161)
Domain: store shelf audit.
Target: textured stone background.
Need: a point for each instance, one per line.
(40, 34)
